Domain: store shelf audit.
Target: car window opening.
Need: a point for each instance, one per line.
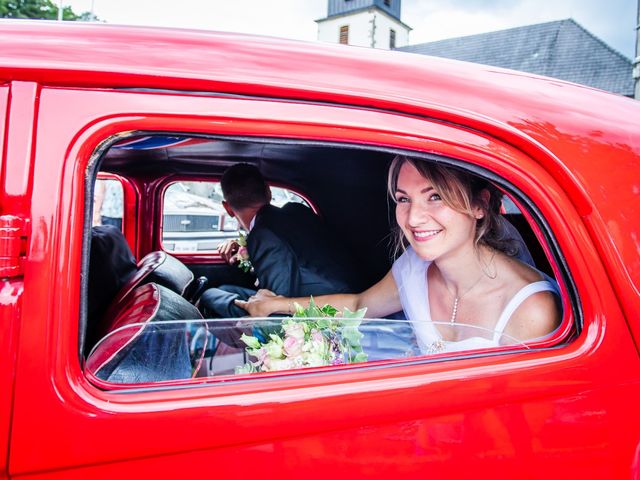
(147, 319)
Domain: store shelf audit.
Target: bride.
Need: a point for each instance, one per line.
(457, 267)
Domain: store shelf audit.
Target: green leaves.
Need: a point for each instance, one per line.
(313, 311)
(357, 314)
(360, 357)
(329, 310)
(39, 9)
(242, 239)
(352, 335)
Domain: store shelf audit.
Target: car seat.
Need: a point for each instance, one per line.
(144, 338)
(113, 274)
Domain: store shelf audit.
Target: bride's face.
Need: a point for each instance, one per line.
(433, 229)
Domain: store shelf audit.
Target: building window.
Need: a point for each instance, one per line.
(387, 3)
(344, 35)
(392, 38)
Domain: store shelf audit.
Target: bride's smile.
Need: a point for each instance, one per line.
(424, 235)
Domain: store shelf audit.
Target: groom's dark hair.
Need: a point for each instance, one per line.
(244, 186)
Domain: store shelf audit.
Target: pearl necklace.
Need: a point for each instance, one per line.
(456, 300)
(454, 311)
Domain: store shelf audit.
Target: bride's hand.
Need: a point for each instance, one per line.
(262, 304)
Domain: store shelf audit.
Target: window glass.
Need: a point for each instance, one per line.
(194, 219)
(108, 202)
(159, 351)
(510, 207)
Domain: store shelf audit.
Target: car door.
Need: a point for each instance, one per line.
(551, 411)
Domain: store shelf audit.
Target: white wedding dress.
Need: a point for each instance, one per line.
(409, 272)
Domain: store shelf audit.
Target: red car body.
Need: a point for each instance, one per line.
(569, 411)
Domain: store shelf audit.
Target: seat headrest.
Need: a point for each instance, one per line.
(140, 344)
(161, 268)
(167, 271)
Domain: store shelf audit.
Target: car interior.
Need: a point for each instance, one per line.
(136, 309)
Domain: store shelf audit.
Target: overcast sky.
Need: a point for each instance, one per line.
(613, 21)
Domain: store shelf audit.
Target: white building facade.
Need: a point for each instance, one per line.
(364, 23)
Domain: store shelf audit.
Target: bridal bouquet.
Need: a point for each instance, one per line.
(313, 337)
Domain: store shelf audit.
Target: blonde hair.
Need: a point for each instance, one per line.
(462, 192)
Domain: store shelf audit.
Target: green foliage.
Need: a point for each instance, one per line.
(313, 311)
(37, 9)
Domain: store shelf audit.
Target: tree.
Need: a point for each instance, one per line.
(40, 9)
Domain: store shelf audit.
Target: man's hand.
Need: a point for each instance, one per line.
(228, 250)
(261, 304)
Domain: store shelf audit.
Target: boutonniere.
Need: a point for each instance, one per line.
(242, 257)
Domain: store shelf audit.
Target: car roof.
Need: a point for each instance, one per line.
(588, 139)
(90, 54)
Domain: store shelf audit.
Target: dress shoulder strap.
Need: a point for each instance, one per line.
(524, 293)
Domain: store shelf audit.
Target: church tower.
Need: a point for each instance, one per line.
(365, 23)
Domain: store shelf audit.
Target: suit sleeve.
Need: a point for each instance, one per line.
(274, 263)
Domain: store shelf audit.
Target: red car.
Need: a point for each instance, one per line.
(323, 121)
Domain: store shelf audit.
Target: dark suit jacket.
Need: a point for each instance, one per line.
(293, 254)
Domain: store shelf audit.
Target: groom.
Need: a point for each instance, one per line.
(291, 251)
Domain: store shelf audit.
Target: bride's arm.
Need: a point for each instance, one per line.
(380, 300)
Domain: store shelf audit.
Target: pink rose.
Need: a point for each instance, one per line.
(295, 330)
(243, 252)
(293, 346)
